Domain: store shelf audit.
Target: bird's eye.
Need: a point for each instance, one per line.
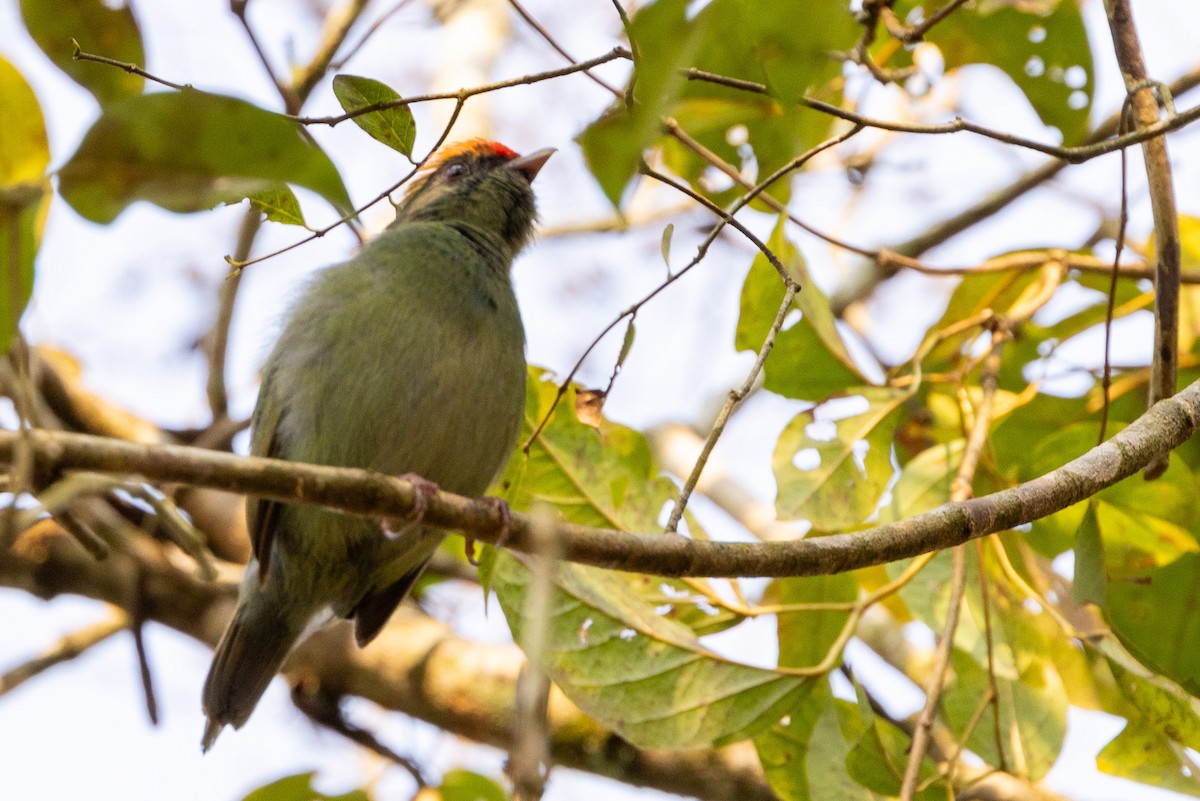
(455, 170)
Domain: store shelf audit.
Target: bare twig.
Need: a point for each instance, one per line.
(1122, 222)
(1165, 364)
(910, 34)
(334, 31)
(132, 69)
(322, 706)
(735, 397)
(463, 94)
(385, 194)
(66, 649)
(545, 34)
(238, 7)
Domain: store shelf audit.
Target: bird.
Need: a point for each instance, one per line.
(407, 359)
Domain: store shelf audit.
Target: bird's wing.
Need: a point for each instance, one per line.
(262, 514)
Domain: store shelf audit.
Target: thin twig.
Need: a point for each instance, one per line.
(352, 51)
(1073, 154)
(385, 194)
(464, 94)
(217, 341)
(136, 625)
(336, 27)
(1122, 222)
(545, 34)
(132, 69)
(238, 7)
(993, 694)
(322, 707)
(985, 209)
(66, 649)
(960, 490)
(726, 217)
(910, 34)
(735, 397)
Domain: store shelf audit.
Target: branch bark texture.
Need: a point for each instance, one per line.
(1165, 426)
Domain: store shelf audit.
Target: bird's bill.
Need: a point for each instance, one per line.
(531, 165)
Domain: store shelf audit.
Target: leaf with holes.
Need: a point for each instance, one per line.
(833, 472)
(647, 677)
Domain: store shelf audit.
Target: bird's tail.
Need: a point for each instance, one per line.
(248, 656)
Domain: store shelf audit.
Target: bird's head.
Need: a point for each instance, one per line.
(480, 183)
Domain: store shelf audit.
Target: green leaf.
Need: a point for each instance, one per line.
(190, 151)
(102, 29)
(806, 637)
(878, 758)
(279, 204)
(1042, 46)
(835, 478)
(1090, 584)
(804, 754)
(809, 361)
(603, 476)
(299, 788)
(645, 676)
(1032, 701)
(924, 482)
(465, 785)
(664, 42)
(24, 195)
(760, 42)
(395, 127)
(1156, 617)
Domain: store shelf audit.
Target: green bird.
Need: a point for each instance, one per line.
(407, 359)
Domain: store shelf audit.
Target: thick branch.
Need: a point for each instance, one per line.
(1162, 428)
(417, 666)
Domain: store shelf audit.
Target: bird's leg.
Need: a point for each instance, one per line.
(422, 489)
(502, 509)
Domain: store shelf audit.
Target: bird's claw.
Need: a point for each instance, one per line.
(502, 509)
(423, 488)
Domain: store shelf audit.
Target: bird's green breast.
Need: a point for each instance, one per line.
(408, 358)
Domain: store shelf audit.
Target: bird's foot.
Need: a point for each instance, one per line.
(423, 488)
(502, 509)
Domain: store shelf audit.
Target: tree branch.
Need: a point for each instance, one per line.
(1165, 364)
(417, 667)
(1162, 428)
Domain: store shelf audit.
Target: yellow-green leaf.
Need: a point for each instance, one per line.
(279, 204)
(24, 195)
